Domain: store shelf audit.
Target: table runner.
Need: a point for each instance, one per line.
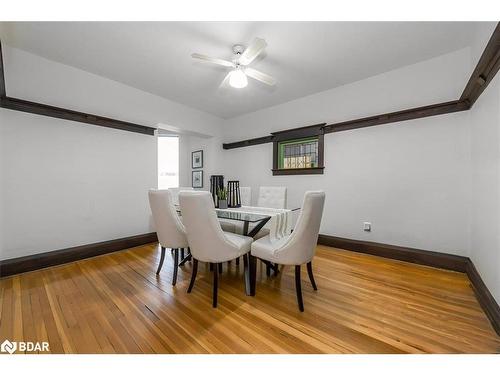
(280, 224)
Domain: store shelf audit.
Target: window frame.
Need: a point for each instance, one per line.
(308, 132)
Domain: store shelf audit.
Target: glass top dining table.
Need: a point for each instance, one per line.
(245, 215)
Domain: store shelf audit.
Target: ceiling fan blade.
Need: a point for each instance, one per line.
(259, 76)
(213, 60)
(252, 51)
(225, 81)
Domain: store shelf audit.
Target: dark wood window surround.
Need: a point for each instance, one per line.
(299, 133)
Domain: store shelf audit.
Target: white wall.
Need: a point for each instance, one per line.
(485, 210)
(37, 79)
(65, 183)
(409, 179)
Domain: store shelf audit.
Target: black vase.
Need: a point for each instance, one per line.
(216, 183)
(233, 194)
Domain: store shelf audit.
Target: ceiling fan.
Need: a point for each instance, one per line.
(239, 66)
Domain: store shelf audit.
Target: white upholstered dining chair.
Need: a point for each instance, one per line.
(272, 197)
(246, 195)
(299, 247)
(208, 242)
(175, 193)
(169, 228)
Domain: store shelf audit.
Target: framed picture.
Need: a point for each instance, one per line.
(197, 181)
(197, 159)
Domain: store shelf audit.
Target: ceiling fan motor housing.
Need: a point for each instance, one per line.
(238, 49)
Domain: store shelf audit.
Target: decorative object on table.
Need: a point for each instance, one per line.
(216, 182)
(222, 197)
(233, 194)
(197, 159)
(197, 179)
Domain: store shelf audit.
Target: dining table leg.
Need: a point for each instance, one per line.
(252, 266)
(248, 288)
(249, 271)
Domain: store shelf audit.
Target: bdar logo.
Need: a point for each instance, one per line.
(9, 347)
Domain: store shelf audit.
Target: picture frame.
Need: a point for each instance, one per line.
(197, 159)
(197, 179)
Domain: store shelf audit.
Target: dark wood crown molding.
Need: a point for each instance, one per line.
(483, 74)
(399, 116)
(486, 68)
(68, 114)
(248, 142)
(63, 113)
(3, 93)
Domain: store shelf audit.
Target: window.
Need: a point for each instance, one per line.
(298, 151)
(301, 153)
(168, 162)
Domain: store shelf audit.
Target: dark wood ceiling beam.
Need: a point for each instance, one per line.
(63, 113)
(3, 93)
(405, 115)
(248, 142)
(483, 74)
(485, 70)
(68, 114)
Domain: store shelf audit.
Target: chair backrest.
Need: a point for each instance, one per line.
(175, 193)
(246, 195)
(205, 236)
(301, 244)
(169, 227)
(272, 197)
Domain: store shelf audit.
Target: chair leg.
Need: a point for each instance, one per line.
(298, 288)
(193, 275)
(276, 268)
(182, 253)
(311, 276)
(176, 266)
(216, 285)
(162, 258)
(220, 267)
(238, 261)
(211, 266)
(268, 269)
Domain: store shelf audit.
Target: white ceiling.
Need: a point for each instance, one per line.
(304, 57)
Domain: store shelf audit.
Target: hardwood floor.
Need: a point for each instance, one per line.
(365, 304)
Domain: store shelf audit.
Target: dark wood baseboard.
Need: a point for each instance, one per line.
(14, 266)
(423, 257)
(426, 258)
(485, 298)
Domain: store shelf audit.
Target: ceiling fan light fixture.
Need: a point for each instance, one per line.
(238, 79)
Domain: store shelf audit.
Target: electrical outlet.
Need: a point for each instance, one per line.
(367, 226)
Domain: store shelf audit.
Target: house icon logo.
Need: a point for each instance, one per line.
(8, 347)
